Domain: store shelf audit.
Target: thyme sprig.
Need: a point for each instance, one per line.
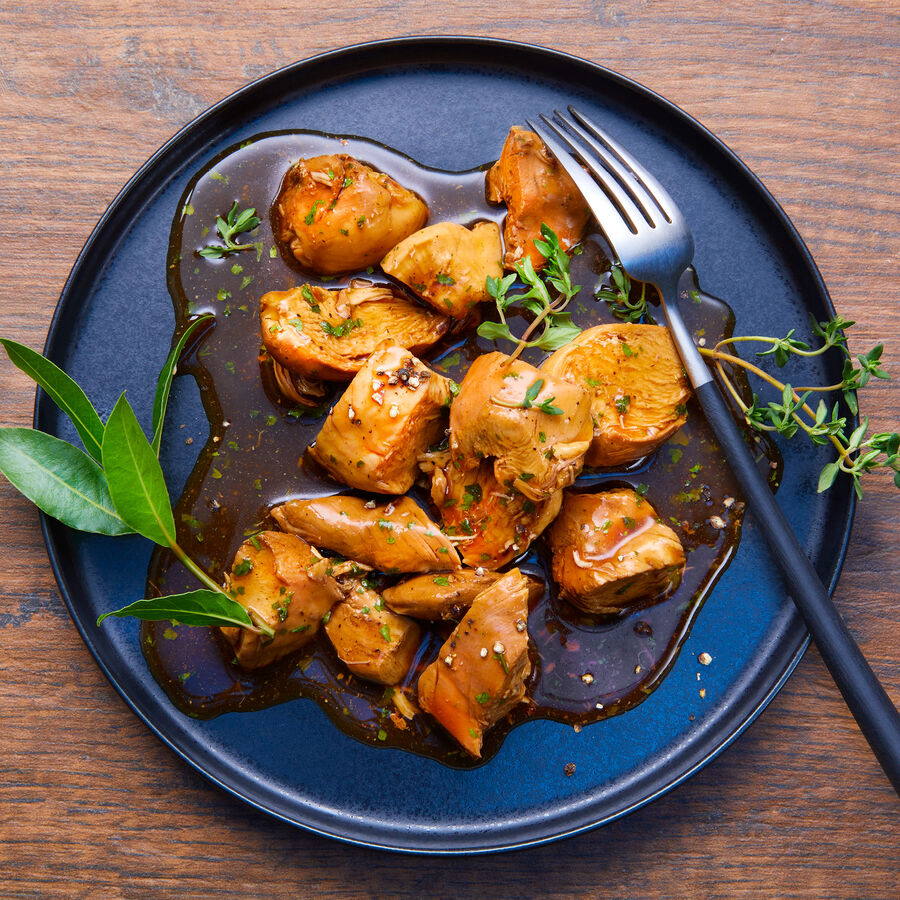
(549, 310)
(857, 453)
(618, 297)
(529, 400)
(228, 229)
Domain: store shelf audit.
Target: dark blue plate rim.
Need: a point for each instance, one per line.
(441, 48)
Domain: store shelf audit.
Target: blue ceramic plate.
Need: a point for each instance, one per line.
(448, 103)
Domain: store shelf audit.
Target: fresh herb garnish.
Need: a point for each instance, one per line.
(118, 489)
(472, 494)
(307, 294)
(618, 296)
(340, 330)
(229, 228)
(791, 414)
(558, 327)
(309, 218)
(244, 567)
(529, 400)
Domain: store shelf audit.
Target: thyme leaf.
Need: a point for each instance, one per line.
(234, 224)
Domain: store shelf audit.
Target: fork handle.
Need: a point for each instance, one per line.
(873, 710)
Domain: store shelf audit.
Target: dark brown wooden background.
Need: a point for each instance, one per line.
(91, 804)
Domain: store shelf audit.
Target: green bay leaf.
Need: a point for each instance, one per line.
(164, 382)
(135, 478)
(201, 607)
(63, 391)
(59, 479)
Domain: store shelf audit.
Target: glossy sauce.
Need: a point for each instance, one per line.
(252, 461)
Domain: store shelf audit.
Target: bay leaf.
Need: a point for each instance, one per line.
(201, 607)
(59, 479)
(164, 382)
(64, 392)
(135, 477)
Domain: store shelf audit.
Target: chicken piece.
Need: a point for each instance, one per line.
(610, 550)
(638, 388)
(320, 333)
(494, 523)
(447, 596)
(536, 426)
(447, 265)
(392, 536)
(536, 190)
(391, 412)
(479, 674)
(277, 579)
(373, 642)
(336, 214)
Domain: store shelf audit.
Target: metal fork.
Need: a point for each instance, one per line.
(654, 244)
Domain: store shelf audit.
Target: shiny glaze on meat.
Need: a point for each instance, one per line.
(247, 465)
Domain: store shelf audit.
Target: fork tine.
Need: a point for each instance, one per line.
(639, 194)
(621, 200)
(659, 194)
(615, 225)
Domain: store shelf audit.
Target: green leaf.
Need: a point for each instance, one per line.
(200, 607)
(558, 334)
(533, 390)
(164, 383)
(858, 434)
(59, 479)
(494, 331)
(547, 406)
(827, 476)
(63, 391)
(135, 478)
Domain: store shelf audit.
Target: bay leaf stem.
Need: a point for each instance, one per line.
(260, 626)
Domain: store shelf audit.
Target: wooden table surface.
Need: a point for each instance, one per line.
(92, 804)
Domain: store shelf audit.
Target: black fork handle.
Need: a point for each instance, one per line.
(873, 710)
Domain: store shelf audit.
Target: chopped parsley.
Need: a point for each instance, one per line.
(307, 293)
(473, 494)
(344, 328)
(311, 215)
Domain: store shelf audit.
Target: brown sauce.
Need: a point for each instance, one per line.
(251, 462)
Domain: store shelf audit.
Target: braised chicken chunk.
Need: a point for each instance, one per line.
(392, 536)
(373, 642)
(637, 385)
(535, 426)
(329, 334)
(445, 596)
(277, 578)
(447, 265)
(391, 412)
(335, 214)
(610, 550)
(492, 522)
(479, 674)
(536, 191)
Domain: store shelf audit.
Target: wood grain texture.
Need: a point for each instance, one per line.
(91, 804)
